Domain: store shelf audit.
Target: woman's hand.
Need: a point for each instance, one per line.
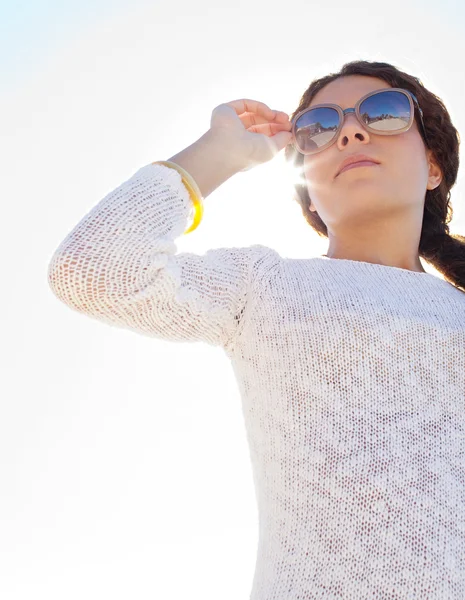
(251, 132)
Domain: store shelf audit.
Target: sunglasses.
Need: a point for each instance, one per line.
(384, 112)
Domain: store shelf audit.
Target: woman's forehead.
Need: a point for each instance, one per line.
(346, 91)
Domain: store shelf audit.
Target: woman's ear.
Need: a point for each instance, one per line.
(434, 171)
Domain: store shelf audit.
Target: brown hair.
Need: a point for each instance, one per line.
(445, 251)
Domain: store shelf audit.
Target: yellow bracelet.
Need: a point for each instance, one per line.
(193, 188)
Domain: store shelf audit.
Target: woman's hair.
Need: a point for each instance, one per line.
(445, 251)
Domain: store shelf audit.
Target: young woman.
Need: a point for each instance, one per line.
(351, 366)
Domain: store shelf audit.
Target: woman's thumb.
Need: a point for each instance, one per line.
(225, 115)
(282, 139)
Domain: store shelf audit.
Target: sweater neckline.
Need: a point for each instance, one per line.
(377, 265)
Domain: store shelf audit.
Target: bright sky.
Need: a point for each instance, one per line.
(125, 469)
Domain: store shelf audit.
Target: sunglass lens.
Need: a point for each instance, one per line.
(386, 111)
(315, 128)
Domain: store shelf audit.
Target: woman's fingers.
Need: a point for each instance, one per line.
(246, 105)
(250, 119)
(281, 117)
(272, 126)
(269, 129)
(261, 111)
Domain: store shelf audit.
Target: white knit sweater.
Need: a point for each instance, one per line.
(352, 378)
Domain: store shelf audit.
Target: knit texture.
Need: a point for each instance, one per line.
(352, 380)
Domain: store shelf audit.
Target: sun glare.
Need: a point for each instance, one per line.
(293, 175)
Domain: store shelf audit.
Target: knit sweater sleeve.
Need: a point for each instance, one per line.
(120, 265)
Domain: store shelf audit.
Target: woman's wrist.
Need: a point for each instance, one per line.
(208, 162)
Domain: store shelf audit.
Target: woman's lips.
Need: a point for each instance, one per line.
(362, 163)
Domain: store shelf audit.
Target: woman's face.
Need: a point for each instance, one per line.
(397, 185)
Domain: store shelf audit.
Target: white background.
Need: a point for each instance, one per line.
(124, 466)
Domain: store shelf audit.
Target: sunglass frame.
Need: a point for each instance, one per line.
(356, 109)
